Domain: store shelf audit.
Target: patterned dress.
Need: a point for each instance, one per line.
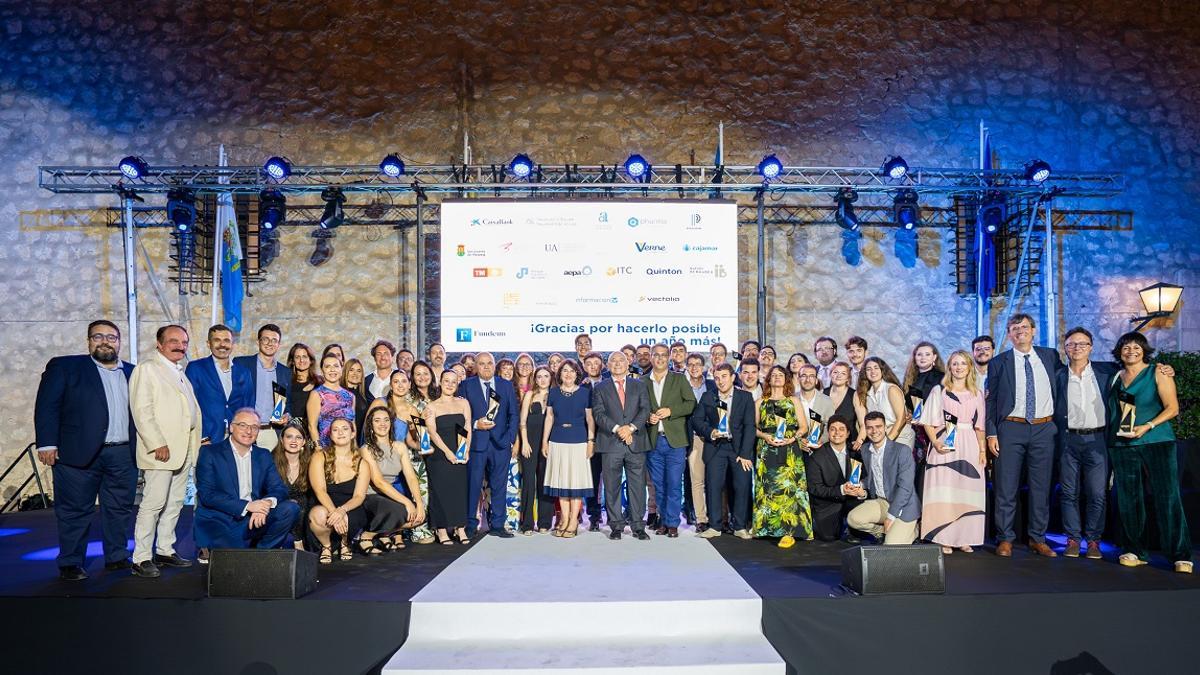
(780, 486)
(422, 531)
(334, 404)
(955, 494)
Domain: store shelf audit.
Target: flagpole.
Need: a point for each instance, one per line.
(217, 236)
(980, 295)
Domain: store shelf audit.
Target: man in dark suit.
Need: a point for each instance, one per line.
(620, 408)
(264, 370)
(671, 403)
(890, 506)
(241, 500)
(492, 440)
(593, 367)
(222, 387)
(724, 419)
(1021, 388)
(829, 488)
(84, 431)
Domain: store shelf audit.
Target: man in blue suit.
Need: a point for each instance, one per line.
(891, 507)
(265, 371)
(1021, 388)
(221, 387)
(241, 500)
(84, 431)
(491, 440)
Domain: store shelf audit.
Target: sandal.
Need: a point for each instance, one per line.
(390, 543)
(326, 557)
(445, 542)
(1183, 566)
(344, 553)
(463, 538)
(368, 547)
(946, 550)
(966, 549)
(570, 534)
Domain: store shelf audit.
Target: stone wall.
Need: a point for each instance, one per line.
(1101, 85)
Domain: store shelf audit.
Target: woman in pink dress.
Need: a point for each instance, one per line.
(954, 497)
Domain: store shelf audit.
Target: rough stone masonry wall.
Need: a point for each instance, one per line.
(1085, 85)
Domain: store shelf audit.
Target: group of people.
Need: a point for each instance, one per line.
(330, 455)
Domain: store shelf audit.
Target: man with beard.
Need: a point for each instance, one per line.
(84, 432)
(222, 387)
(982, 349)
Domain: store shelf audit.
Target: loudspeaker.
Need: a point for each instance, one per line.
(261, 573)
(875, 570)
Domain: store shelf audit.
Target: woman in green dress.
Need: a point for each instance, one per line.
(1142, 402)
(781, 506)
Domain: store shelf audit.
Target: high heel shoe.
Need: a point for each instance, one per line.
(326, 557)
(462, 538)
(445, 542)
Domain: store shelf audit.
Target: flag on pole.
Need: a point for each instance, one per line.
(231, 262)
(985, 247)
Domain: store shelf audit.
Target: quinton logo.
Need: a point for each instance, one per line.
(657, 271)
(643, 247)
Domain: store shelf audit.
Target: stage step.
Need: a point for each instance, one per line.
(589, 605)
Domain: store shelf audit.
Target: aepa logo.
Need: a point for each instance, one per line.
(463, 334)
(644, 247)
(585, 272)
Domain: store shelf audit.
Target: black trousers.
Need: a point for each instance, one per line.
(722, 465)
(533, 482)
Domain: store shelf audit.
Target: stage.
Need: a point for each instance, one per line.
(684, 605)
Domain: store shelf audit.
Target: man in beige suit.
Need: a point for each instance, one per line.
(168, 428)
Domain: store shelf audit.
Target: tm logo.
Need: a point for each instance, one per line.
(632, 222)
(463, 334)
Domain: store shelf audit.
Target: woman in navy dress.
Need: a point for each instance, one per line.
(568, 446)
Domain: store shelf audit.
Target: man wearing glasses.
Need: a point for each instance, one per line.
(85, 433)
(268, 376)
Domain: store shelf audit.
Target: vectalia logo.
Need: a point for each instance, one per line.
(643, 247)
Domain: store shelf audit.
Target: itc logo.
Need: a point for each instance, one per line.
(620, 271)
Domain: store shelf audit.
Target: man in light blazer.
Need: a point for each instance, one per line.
(620, 408)
(221, 386)
(167, 418)
(1020, 392)
(241, 499)
(671, 403)
(890, 506)
(728, 454)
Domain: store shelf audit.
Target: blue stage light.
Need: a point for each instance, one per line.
(272, 209)
(181, 208)
(636, 166)
(392, 166)
(1037, 171)
(845, 215)
(133, 167)
(770, 167)
(993, 211)
(895, 167)
(278, 168)
(521, 166)
(906, 210)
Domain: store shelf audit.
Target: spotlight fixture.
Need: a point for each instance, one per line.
(133, 167)
(770, 167)
(905, 209)
(334, 215)
(268, 247)
(323, 249)
(181, 208)
(521, 166)
(844, 215)
(895, 167)
(993, 211)
(392, 166)
(278, 168)
(272, 209)
(636, 166)
(1037, 171)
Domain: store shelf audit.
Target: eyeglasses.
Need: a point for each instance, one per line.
(1078, 345)
(243, 425)
(101, 337)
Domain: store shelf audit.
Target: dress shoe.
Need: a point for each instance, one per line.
(615, 535)
(1093, 550)
(852, 540)
(202, 556)
(709, 533)
(146, 570)
(501, 532)
(594, 525)
(743, 534)
(652, 520)
(672, 532)
(1131, 560)
(173, 560)
(641, 535)
(660, 530)
(1004, 549)
(72, 573)
(118, 565)
(691, 520)
(1040, 548)
(701, 527)
(1072, 550)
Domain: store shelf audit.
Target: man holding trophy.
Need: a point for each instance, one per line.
(834, 471)
(725, 420)
(494, 413)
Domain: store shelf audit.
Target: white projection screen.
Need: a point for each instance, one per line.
(521, 275)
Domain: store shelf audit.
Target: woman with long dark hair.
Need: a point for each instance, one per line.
(339, 478)
(292, 454)
(305, 378)
(447, 419)
(388, 511)
(536, 505)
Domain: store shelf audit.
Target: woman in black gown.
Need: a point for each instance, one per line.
(533, 462)
(448, 416)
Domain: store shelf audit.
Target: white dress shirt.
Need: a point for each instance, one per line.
(658, 391)
(226, 377)
(1043, 401)
(245, 476)
(1085, 409)
(877, 471)
(178, 370)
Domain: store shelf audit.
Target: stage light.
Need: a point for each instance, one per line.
(895, 167)
(392, 166)
(770, 167)
(334, 215)
(1037, 171)
(906, 210)
(278, 168)
(181, 208)
(993, 211)
(268, 247)
(133, 167)
(323, 250)
(521, 166)
(272, 209)
(636, 166)
(845, 215)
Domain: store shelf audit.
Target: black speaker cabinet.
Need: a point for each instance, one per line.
(877, 570)
(261, 573)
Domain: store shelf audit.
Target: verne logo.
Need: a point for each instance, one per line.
(463, 334)
(632, 222)
(644, 247)
(461, 250)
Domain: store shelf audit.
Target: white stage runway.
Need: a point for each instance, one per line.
(590, 605)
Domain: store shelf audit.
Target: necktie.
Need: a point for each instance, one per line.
(1030, 399)
(488, 390)
(621, 391)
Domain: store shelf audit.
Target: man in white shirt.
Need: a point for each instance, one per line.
(856, 356)
(379, 382)
(825, 349)
(890, 506)
(748, 376)
(817, 406)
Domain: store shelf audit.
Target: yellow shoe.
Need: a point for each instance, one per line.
(1184, 566)
(1130, 560)
(787, 542)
